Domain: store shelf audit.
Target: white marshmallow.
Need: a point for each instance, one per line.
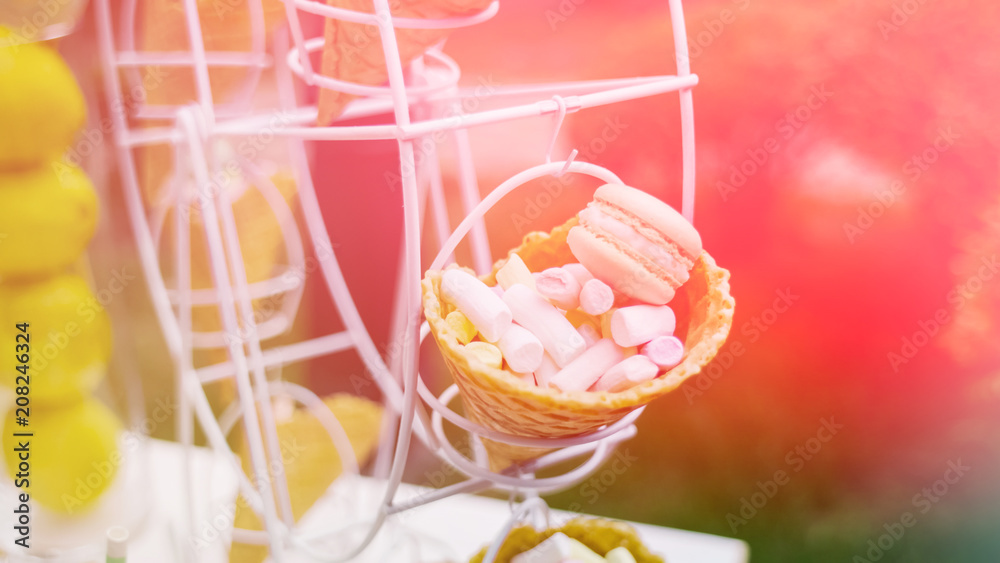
(487, 312)
(534, 313)
(627, 373)
(521, 349)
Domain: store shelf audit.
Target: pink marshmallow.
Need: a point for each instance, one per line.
(589, 333)
(527, 378)
(638, 324)
(497, 290)
(627, 373)
(582, 372)
(664, 351)
(548, 324)
(546, 371)
(560, 287)
(579, 271)
(596, 297)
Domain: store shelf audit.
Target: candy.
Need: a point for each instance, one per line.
(579, 271)
(627, 373)
(514, 271)
(664, 351)
(546, 371)
(534, 313)
(578, 317)
(638, 324)
(560, 287)
(589, 333)
(582, 372)
(485, 353)
(526, 378)
(522, 349)
(497, 290)
(596, 297)
(463, 327)
(619, 555)
(559, 548)
(488, 312)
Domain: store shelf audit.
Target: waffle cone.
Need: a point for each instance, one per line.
(497, 399)
(353, 51)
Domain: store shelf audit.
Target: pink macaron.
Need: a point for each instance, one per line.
(637, 244)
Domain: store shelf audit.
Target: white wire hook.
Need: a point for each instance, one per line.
(560, 117)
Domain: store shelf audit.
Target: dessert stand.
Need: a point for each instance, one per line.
(197, 136)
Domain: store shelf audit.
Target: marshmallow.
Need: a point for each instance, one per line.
(497, 290)
(514, 271)
(522, 349)
(579, 271)
(558, 549)
(664, 351)
(462, 326)
(638, 324)
(589, 334)
(582, 372)
(627, 373)
(546, 371)
(486, 353)
(619, 555)
(490, 315)
(534, 313)
(559, 287)
(596, 297)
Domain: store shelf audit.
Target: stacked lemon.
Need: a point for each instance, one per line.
(48, 212)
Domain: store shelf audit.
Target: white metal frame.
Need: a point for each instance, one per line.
(196, 127)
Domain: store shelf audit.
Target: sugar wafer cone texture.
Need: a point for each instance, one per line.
(497, 399)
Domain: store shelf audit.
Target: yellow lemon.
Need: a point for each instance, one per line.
(47, 216)
(41, 106)
(72, 456)
(67, 340)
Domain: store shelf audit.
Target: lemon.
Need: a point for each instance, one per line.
(41, 105)
(68, 338)
(73, 455)
(47, 216)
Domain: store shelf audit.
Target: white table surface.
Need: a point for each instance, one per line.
(452, 529)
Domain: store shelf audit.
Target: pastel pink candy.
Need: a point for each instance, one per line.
(490, 315)
(579, 271)
(596, 297)
(560, 287)
(534, 313)
(664, 351)
(546, 371)
(521, 349)
(589, 333)
(638, 324)
(584, 371)
(627, 373)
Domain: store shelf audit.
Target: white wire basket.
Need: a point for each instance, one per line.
(199, 135)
